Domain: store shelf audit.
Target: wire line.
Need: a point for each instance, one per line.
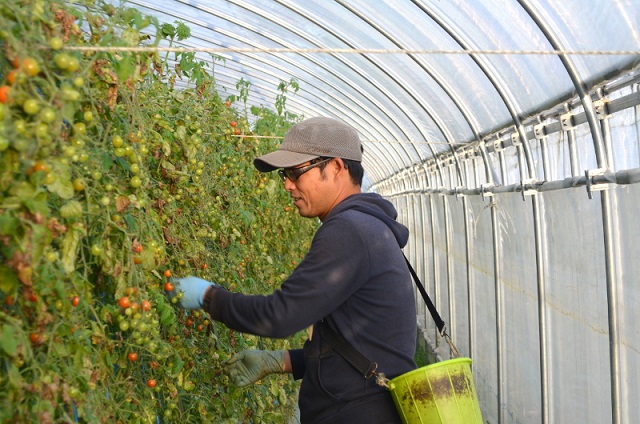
(153, 49)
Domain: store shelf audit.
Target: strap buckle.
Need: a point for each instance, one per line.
(373, 370)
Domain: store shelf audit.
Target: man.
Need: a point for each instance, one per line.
(354, 277)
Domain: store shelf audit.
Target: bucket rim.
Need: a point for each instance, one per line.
(431, 366)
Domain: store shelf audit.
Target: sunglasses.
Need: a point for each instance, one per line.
(294, 173)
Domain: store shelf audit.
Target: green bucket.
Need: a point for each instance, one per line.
(443, 392)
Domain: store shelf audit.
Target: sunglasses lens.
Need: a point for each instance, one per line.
(287, 173)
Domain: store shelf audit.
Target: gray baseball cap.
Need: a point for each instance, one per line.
(310, 139)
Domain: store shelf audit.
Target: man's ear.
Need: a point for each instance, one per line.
(340, 165)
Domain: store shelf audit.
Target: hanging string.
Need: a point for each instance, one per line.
(155, 49)
(276, 137)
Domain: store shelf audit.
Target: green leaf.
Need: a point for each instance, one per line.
(71, 209)
(9, 282)
(8, 340)
(178, 365)
(70, 247)
(23, 190)
(168, 30)
(41, 238)
(9, 225)
(125, 67)
(106, 161)
(183, 31)
(62, 186)
(39, 204)
(132, 225)
(131, 37)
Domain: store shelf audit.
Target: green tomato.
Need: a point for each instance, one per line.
(31, 107)
(56, 43)
(42, 130)
(70, 94)
(117, 141)
(96, 249)
(62, 60)
(79, 128)
(88, 116)
(47, 115)
(4, 143)
(135, 181)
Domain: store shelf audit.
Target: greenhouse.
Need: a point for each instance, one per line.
(506, 134)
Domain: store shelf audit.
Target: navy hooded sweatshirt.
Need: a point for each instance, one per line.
(355, 278)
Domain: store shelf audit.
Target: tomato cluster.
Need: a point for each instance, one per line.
(109, 189)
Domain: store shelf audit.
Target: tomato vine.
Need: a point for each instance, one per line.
(119, 171)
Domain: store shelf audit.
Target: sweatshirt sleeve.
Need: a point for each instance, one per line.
(297, 363)
(324, 279)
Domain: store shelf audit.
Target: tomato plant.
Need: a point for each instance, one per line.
(113, 180)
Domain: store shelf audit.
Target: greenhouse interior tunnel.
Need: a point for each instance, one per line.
(507, 135)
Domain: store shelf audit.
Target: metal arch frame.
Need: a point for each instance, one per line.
(445, 134)
(363, 130)
(230, 79)
(189, 19)
(367, 158)
(464, 111)
(490, 76)
(328, 70)
(608, 216)
(380, 89)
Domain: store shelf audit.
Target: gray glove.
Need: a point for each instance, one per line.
(249, 366)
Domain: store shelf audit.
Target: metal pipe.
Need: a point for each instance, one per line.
(434, 258)
(447, 243)
(470, 286)
(611, 235)
(573, 155)
(624, 177)
(546, 168)
(541, 251)
(495, 225)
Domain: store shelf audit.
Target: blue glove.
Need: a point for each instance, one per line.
(193, 289)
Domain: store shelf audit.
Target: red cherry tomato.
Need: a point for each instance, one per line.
(4, 93)
(124, 302)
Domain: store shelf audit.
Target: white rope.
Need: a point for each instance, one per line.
(155, 49)
(275, 137)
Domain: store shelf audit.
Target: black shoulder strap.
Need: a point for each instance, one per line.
(348, 352)
(357, 360)
(432, 309)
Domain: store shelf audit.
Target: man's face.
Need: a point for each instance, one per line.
(314, 192)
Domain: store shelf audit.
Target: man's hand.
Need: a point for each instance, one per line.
(193, 289)
(249, 366)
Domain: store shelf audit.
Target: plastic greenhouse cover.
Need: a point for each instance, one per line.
(433, 96)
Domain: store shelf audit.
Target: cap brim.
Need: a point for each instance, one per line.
(281, 159)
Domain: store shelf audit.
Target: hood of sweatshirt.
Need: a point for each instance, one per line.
(375, 205)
